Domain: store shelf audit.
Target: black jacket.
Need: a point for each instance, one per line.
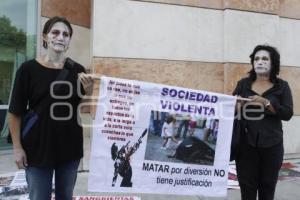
(267, 131)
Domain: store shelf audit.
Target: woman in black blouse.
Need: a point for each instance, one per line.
(261, 153)
(54, 143)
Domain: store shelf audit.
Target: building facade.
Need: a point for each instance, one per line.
(197, 44)
(189, 43)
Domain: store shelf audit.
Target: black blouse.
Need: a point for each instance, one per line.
(50, 141)
(266, 131)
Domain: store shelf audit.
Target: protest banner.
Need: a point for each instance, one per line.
(131, 151)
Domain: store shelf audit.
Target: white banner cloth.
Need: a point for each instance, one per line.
(130, 153)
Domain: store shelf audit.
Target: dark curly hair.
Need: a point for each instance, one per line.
(48, 25)
(170, 119)
(275, 62)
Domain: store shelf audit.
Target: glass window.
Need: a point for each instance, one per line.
(18, 27)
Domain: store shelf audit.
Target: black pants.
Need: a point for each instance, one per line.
(185, 124)
(257, 170)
